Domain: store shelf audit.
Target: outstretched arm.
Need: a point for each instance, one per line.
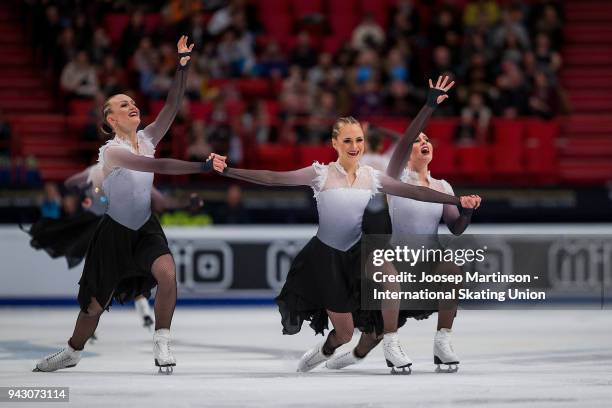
(301, 177)
(401, 153)
(457, 220)
(120, 157)
(160, 126)
(419, 193)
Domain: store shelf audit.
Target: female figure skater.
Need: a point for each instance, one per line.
(324, 279)
(410, 218)
(69, 237)
(128, 254)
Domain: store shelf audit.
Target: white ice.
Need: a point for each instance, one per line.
(237, 357)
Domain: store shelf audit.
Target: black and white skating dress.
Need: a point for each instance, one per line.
(128, 238)
(326, 273)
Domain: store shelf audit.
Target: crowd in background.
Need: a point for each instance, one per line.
(505, 60)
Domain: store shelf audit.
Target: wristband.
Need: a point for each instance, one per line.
(432, 97)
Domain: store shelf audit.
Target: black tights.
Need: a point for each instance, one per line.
(164, 272)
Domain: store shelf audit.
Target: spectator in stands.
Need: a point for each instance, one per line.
(304, 54)
(83, 31)
(325, 71)
(198, 146)
(272, 63)
(547, 60)
(233, 212)
(368, 34)
(91, 130)
(512, 50)
(235, 53)
(111, 77)
(50, 205)
(480, 12)
(5, 134)
(133, 33)
(549, 22)
(5, 170)
(367, 98)
(512, 25)
(255, 122)
(404, 20)
(79, 79)
(48, 34)
(100, 46)
(65, 49)
(146, 60)
(510, 96)
(475, 122)
(446, 30)
(544, 100)
(322, 118)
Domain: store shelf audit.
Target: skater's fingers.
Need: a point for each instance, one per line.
(449, 86)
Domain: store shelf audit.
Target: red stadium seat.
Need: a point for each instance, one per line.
(441, 130)
(115, 23)
(301, 8)
(378, 8)
(396, 124)
(473, 163)
(275, 157)
(541, 151)
(152, 21)
(509, 148)
(443, 164)
(255, 88)
(309, 154)
(343, 24)
(278, 26)
(201, 110)
(80, 107)
(155, 107)
(272, 7)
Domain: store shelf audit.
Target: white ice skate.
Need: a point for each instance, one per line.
(343, 360)
(162, 353)
(65, 358)
(144, 311)
(399, 362)
(444, 353)
(312, 358)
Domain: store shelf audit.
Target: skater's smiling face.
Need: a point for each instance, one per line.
(349, 141)
(422, 150)
(121, 113)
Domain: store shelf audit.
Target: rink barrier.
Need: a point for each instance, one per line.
(216, 266)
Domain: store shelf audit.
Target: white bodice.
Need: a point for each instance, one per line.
(341, 204)
(410, 217)
(129, 191)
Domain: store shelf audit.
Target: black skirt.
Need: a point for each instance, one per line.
(322, 278)
(67, 237)
(119, 260)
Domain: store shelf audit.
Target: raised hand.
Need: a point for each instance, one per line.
(182, 48)
(218, 162)
(439, 91)
(471, 201)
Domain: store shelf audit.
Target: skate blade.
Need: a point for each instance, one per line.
(401, 371)
(38, 370)
(165, 368)
(450, 368)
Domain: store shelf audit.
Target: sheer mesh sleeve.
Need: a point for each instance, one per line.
(401, 154)
(156, 130)
(78, 180)
(456, 220)
(306, 176)
(121, 157)
(397, 188)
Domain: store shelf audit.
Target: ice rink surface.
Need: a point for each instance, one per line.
(237, 357)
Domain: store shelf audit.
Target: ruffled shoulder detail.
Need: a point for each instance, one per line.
(115, 142)
(321, 171)
(145, 144)
(375, 174)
